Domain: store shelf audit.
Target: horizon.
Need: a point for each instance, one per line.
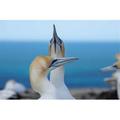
(66, 41)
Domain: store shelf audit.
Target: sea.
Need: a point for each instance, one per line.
(16, 57)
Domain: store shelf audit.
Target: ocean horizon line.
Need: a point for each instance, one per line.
(66, 41)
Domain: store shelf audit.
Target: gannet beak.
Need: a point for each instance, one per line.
(109, 68)
(61, 61)
(55, 42)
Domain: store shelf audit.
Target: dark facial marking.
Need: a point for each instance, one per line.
(115, 66)
(52, 62)
(59, 42)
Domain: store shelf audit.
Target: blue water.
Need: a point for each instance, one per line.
(15, 58)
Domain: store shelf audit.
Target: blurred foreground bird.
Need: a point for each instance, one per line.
(15, 86)
(11, 89)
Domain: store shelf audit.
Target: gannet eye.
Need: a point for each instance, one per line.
(52, 62)
(115, 66)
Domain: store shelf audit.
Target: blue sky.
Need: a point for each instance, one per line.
(80, 30)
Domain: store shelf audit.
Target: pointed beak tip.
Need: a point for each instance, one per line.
(75, 58)
(72, 59)
(54, 32)
(54, 28)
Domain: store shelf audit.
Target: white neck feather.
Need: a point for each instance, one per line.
(57, 79)
(48, 90)
(57, 76)
(46, 87)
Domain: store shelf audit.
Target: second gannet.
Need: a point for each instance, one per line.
(39, 70)
(57, 50)
(115, 67)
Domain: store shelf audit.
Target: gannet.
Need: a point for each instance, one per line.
(115, 67)
(39, 70)
(57, 50)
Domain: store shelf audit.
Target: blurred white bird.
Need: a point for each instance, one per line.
(15, 86)
(11, 89)
(39, 70)
(6, 94)
(57, 50)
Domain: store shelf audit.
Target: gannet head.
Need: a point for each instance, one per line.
(56, 46)
(115, 66)
(41, 66)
